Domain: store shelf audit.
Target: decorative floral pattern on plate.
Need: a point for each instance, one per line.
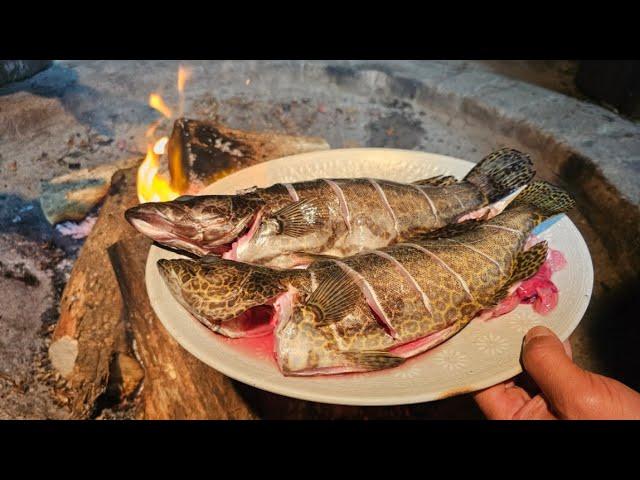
(451, 359)
(412, 371)
(491, 344)
(522, 324)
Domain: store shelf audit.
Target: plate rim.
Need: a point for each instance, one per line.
(404, 399)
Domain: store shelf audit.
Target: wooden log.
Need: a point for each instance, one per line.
(177, 385)
(85, 337)
(201, 152)
(72, 196)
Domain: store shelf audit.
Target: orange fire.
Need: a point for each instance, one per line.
(156, 101)
(151, 185)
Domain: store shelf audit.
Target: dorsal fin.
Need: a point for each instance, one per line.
(333, 298)
(438, 181)
(299, 218)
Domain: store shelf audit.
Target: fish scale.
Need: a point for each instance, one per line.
(398, 299)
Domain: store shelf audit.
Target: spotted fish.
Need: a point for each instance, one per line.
(280, 225)
(375, 309)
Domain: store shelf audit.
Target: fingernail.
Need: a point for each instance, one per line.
(537, 331)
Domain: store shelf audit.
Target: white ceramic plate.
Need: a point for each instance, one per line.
(481, 355)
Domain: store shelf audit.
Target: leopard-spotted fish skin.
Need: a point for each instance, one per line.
(278, 225)
(231, 298)
(377, 308)
(414, 295)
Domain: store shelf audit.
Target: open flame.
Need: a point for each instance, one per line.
(151, 185)
(156, 101)
(183, 75)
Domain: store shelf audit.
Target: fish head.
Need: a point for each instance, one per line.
(231, 298)
(196, 224)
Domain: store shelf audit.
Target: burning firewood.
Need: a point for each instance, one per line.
(86, 336)
(201, 152)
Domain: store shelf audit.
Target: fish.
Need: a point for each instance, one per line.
(285, 224)
(375, 309)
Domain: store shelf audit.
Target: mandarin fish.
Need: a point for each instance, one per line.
(280, 225)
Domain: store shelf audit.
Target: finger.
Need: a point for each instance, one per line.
(567, 348)
(501, 401)
(536, 409)
(546, 360)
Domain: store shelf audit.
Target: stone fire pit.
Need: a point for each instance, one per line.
(77, 115)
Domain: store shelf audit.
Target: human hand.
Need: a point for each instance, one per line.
(567, 391)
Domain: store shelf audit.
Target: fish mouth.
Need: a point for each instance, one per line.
(158, 221)
(259, 320)
(154, 220)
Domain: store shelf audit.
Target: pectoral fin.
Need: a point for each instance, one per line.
(334, 298)
(301, 217)
(439, 181)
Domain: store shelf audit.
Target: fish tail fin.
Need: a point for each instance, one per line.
(545, 198)
(501, 172)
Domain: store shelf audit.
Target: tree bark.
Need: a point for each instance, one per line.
(85, 337)
(72, 196)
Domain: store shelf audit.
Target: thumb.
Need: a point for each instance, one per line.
(562, 382)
